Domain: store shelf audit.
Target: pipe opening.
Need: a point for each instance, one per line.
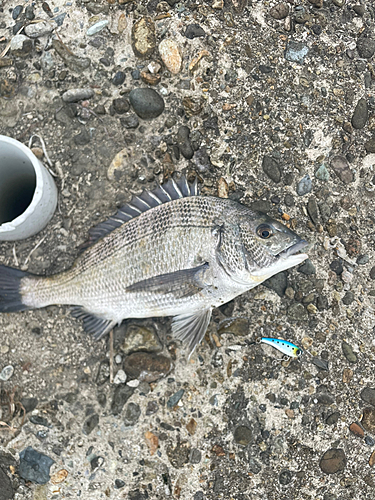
(17, 183)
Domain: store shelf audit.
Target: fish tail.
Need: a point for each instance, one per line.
(10, 289)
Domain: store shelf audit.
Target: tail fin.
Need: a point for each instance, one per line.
(10, 296)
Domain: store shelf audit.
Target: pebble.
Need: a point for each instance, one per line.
(130, 121)
(118, 78)
(312, 210)
(372, 273)
(120, 377)
(175, 398)
(6, 488)
(333, 418)
(360, 115)
(147, 367)
(349, 296)
(120, 105)
(139, 338)
(132, 414)
(369, 441)
(368, 420)
(304, 186)
(348, 352)
(296, 312)
(278, 283)
(322, 364)
(17, 42)
(59, 20)
(202, 160)
(194, 31)
(296, 52)
(120, 396)
(333, 460)
(370, 145)
(171, 55)
(75, 63)
(82, 138)
(337, 267)
(97, 27)
(242, 435)
(29, 12)
(271, 168)
(119, 483)
(237, 326)
(307, 268)
(371, 461)
(341, 168)
(17, 11)
(365, 46)
(152, 407)
(178, 455)
(362, 260)
(279, 11)
(143, 37)
(39, 29)
(59, 476)
(195, 458)
(356, 430)
(368, 395)
(75, 95)
(90, 424)
(6, 373)
(322, 173)
(147, 103)
(184, 143)
(285, 477)
(34, 466)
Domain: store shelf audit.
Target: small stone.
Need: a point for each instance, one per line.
(369, 441)
(368, 420)
(192, 105)
(362, 260)
(118, 78)
(307, 268)
(119, 483)
(341, 168)
(59, 476)
(29, 12)
(121, 105)
(132, 414)
(16, 43)
(75, 63)
(238, 326)
(120, 377)
(143, 37)
(322, 173)
(304, 186)
(370, 145)
(97, 27)
(296, 52)
(178, 455)
(195, 457)
(368, 395)
(333, 460)
(271, 168)
(184, 143)
(356, 430)
(34, 466)
(312, 210)
(130, 121)
(347, 375)
(152, 407)
(191, 426)
(322, 364)
(194, 31)
(277, 283)
(171, 55)
(147, 367)
(149, 78)
(39, 29)
(296, 312)
(175, 398)
(371, 461)
(336, 267)
(76, 95)
(242, 435)
(6, 488)
(333, 418)
(348, 352)
(6, 373)
(279, 11)
(82, 138)
(120, 396)
(285, 477)
(202, 160)
(360, 115)
(139, 338)
(359, 10)
(90, 424)
(365, 46)
(147, 103)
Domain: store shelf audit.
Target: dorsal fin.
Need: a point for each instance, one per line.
(171, 190)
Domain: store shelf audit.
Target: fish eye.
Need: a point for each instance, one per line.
(264, 231)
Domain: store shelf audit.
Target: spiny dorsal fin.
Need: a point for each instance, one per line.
(171, 190)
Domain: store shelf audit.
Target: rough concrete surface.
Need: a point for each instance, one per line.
(271, 104)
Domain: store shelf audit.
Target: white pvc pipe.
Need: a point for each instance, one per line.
(28, 195)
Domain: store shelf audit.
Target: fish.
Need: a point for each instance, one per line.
(283, 346)
(169, 252)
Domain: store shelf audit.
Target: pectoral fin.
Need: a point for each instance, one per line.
(180, 284)
(190, 328)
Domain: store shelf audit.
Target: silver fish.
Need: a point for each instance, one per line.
(169, 252)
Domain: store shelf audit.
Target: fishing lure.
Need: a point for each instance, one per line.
(283, 346)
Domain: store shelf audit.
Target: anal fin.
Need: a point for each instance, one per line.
(95, 326)
(191, 327)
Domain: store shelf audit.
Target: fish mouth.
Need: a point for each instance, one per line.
(293, 249)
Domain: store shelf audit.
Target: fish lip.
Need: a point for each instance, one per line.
(293, 249)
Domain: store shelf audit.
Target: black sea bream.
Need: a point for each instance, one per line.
(169, 252)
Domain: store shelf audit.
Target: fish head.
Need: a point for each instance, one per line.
(269, 246)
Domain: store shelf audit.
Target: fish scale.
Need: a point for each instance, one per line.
(170, 252)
